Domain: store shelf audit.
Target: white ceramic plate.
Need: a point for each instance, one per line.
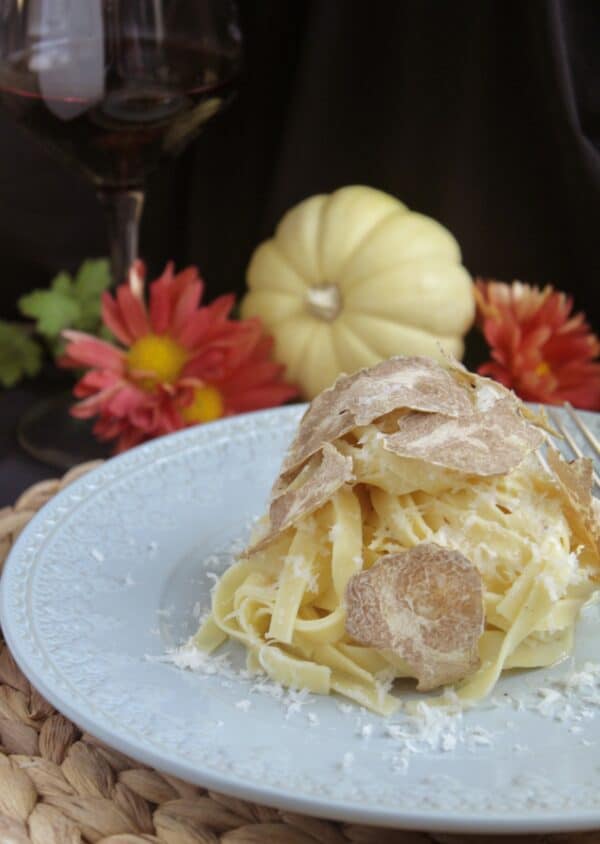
(113, 570)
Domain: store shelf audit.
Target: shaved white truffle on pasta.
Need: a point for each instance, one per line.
(412, 533)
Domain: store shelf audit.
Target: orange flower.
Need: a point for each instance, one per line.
(538, 349)
(178, 363)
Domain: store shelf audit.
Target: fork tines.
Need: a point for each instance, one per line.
(569, 439)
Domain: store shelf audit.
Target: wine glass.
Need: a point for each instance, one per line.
(113, 86)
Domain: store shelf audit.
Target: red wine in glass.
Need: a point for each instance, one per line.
(113, 86)
(118, 137)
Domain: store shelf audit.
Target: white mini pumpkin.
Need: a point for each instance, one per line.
(352, 277)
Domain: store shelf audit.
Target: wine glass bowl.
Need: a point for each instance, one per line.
(114, 85)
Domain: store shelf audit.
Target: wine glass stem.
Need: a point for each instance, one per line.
(123, 209)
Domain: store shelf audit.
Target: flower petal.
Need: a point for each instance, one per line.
(113, 319)
(160, 301)
(133, 312)
(94, 381)
(186, 306)
(93, 405)
(86, 350)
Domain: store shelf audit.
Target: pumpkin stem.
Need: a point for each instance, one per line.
(324, 301)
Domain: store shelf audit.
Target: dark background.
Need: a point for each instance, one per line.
(485, 115)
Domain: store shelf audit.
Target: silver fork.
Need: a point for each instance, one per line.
(594, 445)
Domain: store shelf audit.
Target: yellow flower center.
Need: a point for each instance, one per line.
(542, 369)
(158, 355)
(207, 405)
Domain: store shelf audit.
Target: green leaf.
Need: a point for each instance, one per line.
(52, 310)
(69, 303)
(62, 283)
(19, 354)
(93, 277)
(89, 315)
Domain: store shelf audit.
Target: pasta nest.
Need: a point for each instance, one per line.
(412, 533)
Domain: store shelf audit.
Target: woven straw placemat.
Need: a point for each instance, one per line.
(61, 786)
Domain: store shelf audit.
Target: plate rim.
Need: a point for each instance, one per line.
(435, 819)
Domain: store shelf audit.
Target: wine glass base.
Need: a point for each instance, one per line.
(49, 433)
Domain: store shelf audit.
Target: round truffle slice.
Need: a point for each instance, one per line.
(426, 605)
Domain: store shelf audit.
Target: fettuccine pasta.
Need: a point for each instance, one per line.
(349, 503)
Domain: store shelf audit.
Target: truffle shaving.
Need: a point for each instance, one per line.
(415, 383)
(313, 487)
(486, 442)
(575, 484)
(425, 605)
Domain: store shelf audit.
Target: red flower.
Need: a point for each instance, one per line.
(538, 349)
(179, 364)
